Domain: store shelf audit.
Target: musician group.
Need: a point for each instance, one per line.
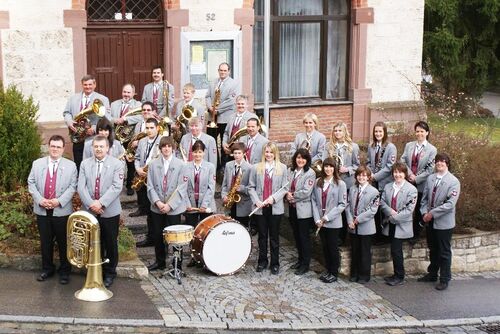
(170, 157)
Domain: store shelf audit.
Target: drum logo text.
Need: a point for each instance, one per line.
(228, 232)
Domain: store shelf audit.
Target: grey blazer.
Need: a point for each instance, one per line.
(302, 195)
(318, 142)
(230, 88)
(382, 175)
(115, 151)
(425, 163)
(336, 200)
(111, 185)
(175, 194)
(210, 147)
(445, 200)
(244, 207)
(72, 107)
(279, 189)
(244, 118)
(257, 147)
(207, 185)
(350, 159)
(65, 185)
(147, 95)
(141, 152)
(367, 208)
(116, 109)
(405, 204)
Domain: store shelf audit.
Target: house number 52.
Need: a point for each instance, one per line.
(210, 16)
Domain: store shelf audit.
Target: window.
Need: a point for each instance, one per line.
(124, 11)
(309, 47)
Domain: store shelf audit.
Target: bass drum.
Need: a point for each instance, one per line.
(222, 244)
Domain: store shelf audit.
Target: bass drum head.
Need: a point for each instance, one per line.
(226, 248)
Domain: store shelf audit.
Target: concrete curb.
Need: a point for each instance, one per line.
(237, 325)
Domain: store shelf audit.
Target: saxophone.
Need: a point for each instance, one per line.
(84, 250)
(215, 104)
(232, 195)
(139, 181)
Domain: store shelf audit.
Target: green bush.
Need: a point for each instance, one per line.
(126, 244)
(16, 215)
(20, 143)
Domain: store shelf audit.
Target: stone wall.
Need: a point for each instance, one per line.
(394, 50)
(471, 253)
(37, 54)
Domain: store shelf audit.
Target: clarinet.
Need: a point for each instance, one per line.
(385, 221)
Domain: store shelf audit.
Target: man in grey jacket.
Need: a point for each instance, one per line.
(439, 201)
(52, 183)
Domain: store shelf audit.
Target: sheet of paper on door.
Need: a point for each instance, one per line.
(200, 68)
(197, 54)
(214, 58)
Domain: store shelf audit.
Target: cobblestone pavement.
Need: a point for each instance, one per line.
(24, 328)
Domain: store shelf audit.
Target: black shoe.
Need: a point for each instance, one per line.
(156, 266)
(296, 265)
(442, 286)
(301, 270)
(260, 268)
(130, 191)
(389, 278)
(108, 281)
(63, 279)
(43, 276)
(427, 278)
(275, 270)
(395, 281)
(324, 275)
(144, 243)
(330, 278)
(137, 213)
(353, 279)
(363, 280)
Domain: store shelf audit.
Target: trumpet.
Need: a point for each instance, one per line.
(125, 132)
(83, 122)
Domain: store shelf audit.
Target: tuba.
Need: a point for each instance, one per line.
(125, 132)
(83, 122)
(84, 250)
(215, 104)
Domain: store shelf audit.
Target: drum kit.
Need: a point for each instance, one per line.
(220, 243)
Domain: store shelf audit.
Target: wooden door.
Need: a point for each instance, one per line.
(118, 56)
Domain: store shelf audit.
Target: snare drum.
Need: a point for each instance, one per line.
(222, 244)
(178, 235)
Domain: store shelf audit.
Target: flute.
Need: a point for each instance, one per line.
(257, 208)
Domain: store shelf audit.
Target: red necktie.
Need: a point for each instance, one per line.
(97, 188)
(357, 202)
(268, 186)
(324, 194)
(196, 185)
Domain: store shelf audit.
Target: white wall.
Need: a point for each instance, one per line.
(394, 52)
(37, 53)
(223, 18)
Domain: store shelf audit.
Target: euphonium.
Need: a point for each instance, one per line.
(84, 250)
(215, 104)
(232, 195)
(83, 122)
(130, 151)
(125, 132)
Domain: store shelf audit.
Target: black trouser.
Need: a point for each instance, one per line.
(361, 256)
(268, 226)
(439, 243)
(159, 222)
(53, 228)
(219, 131)
(343, 231)
(329, 241)
(194, 219)
(109, 244)
(396, 253)
(417, 218)
(130, 169)
(245, 221)
(145, 207)
(78, 154)
(301, 232)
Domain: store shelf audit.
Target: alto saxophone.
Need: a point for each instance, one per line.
(233, 196)
(215, 104)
